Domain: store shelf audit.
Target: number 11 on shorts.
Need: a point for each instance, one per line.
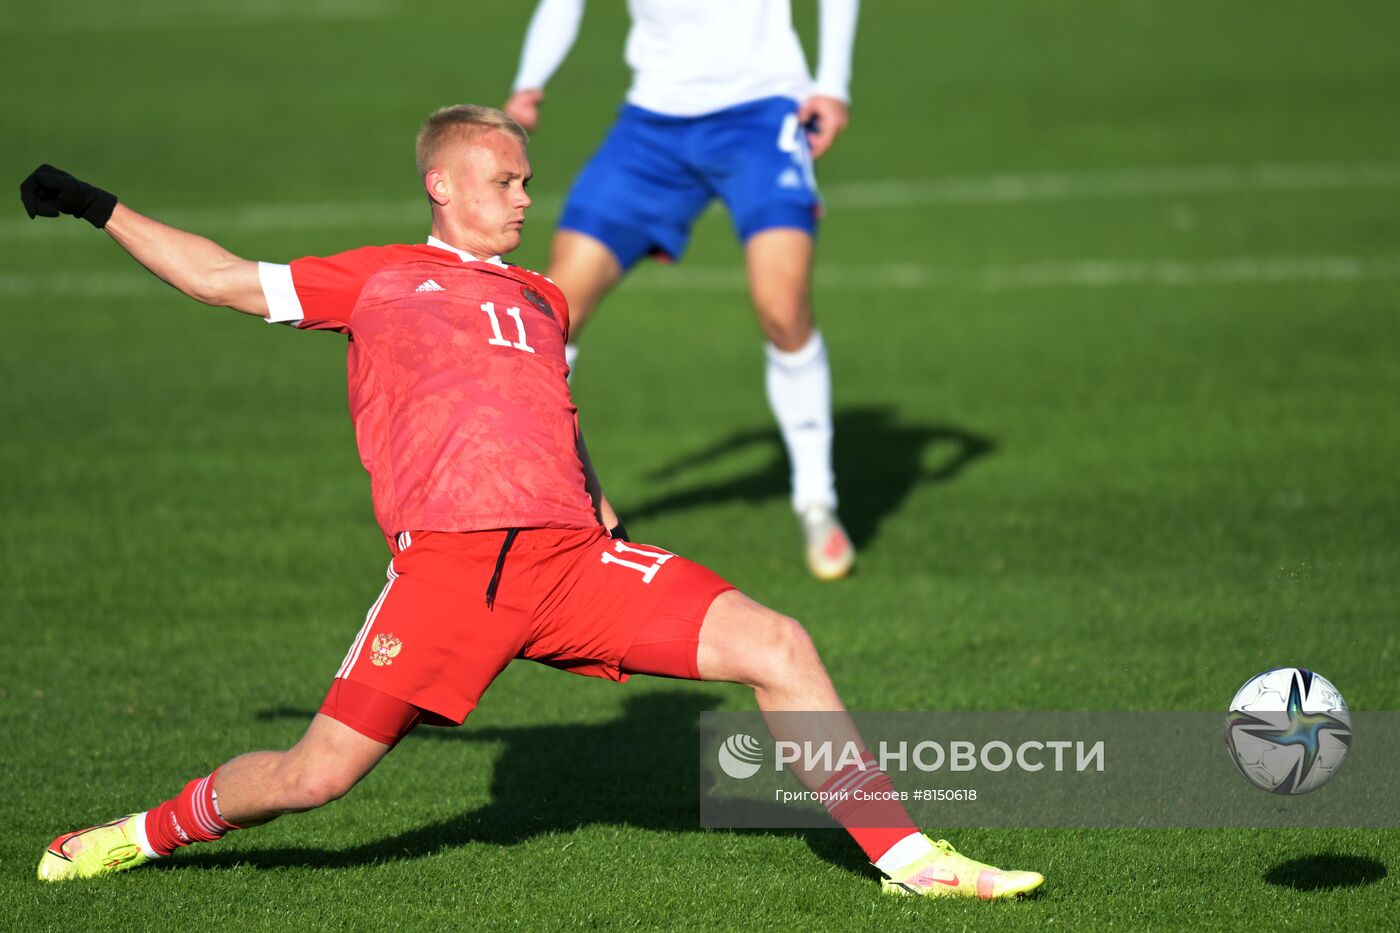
(647, 570)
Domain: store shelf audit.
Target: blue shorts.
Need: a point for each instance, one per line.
(654, 174)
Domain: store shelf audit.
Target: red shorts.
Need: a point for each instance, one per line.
(576, 600)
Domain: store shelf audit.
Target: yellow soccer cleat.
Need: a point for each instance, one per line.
(830, 553)
(945, 873)
(97, 850)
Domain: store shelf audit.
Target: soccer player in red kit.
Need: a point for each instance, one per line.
(503, 543)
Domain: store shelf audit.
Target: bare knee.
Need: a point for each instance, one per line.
(791, 645)
(788, 331)
(779, 269)
(780, 652)
(745, 642)
(786, 320)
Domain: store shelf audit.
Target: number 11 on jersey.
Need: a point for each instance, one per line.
(498, 340)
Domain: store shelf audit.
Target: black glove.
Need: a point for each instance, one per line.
(48, 192)
(618, 532)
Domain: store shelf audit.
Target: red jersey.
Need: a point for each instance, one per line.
(458, 385)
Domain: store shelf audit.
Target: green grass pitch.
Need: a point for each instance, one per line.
(1110, 291)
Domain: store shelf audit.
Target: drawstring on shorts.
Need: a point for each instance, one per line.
(500, 564)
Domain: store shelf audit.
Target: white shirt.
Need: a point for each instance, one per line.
(692, 57)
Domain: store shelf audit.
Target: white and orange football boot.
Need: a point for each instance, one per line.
(830, 554)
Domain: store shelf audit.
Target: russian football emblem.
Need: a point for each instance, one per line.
(537, 300)
(384, 649)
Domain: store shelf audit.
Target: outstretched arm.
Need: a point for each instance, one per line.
(200, 268)
(551, 34)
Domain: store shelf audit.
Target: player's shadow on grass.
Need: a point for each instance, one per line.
(878, 460)
(1325, 872)
(637, 770)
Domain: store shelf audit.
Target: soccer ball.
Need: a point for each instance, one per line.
(1288, 730)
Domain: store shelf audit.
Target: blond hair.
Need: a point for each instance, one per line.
(461, 123)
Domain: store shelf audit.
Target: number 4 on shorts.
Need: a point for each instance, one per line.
(648, 570)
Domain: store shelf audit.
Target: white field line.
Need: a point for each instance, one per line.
(1086, 273)
(1240, 270)
(1105, 273)
(1118, 183)
(57, 17)
(857, 195)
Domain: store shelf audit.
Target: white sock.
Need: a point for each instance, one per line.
(799, 392)
(904, 853)
(141, 840)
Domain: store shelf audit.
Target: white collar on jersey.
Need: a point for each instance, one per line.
(466, 256)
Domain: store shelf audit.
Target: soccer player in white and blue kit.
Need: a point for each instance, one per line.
(722, 105)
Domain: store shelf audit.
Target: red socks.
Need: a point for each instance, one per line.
(190, 816)
(863, 800)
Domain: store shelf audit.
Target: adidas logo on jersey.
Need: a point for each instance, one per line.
(430, 286)
(790, 179)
